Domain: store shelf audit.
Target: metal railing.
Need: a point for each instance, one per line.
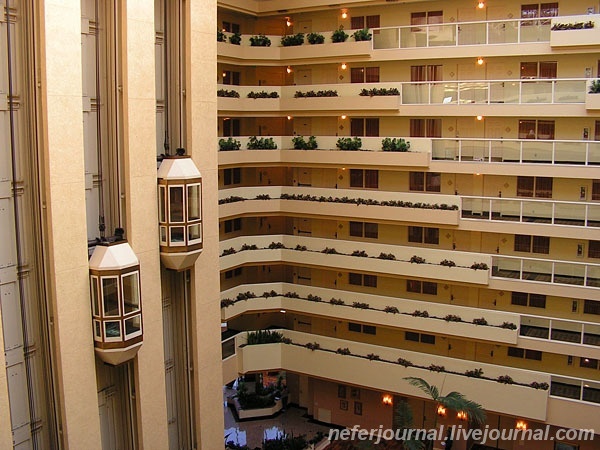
(563, 330)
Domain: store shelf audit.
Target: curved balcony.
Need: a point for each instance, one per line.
(547, 212)
(442, 209)
(383, 374)
(376, 313)
(313, 256)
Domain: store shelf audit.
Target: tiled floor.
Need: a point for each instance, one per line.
(253, 432)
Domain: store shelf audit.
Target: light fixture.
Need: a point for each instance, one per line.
(289, 117)
(282, 311)
(223, 30)
(521, 425)
(387, 400)
(224, 74)
(441, 411)
(461, 415)
(481, 5)
(344, 13)
(343, 66)
(288, 21)
(480, 61)
(344, 117)
(288, 69)
(479, 117)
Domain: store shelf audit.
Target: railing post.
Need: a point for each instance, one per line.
(427, 35)
(521, 151)
(521, 211)
(518, 32)
(552, 273)
(490, 211)
(553, 89)
(587, 153)
(585, 275)
(489, 151)
(489, 92)
(520, 92)
(521, 269)
(553, 212)
(460, 149)
(553, 152)
(586, 215)
(487, 33)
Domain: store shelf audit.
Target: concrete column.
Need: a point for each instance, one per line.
(65, 222)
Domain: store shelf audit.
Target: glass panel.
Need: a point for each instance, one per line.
(507, 210)
(442, 35)
(131, 292)
(194, 202)
(593, 276)
(95, 290)
(537, 152)
(566, 273)
(569, 152)
(471, 33)
(534, 270)
(415, 93)
(110, 296)
(569, 214)
(227, 348)
(177, 235)
(503, 32)
(112, 330)
(133, 326)
(194, 233)
(97, 330)
(472, 92)
(593, 215)
(594, 153)
(444, 93)
(506, 151)
(162, 204)
(538, 212)
(444, 149)
(411, 37)
(536, 92)
(163, 235)
(569, 91)
(176, 203)
(591, 334)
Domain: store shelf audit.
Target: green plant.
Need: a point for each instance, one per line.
(313, 346)
(542, 386)
(300, 248)
(475, 373)
(394, 145)
(391, 309)
(228, 251)
(337, 301)
(226, 302)
(231, 199)
(311, 94)
(228, 93)
(330, 251)
(360, 254)
(378, 92)
(447, 263)
(480, 321)
(315, 38)
(255, 143)
(349, 143)
(235, 39)
(248, 247)
(229, 144)
(301, 144)
(508, 326)
(479, 266)
(388, 256)
(418, 313)
(435, 368)
(362, 35)
(339, 35)
(263, 197)
(373, 357)
(404, 362)
(360, 305)
(292, 40)
(291, 295)
(414, 259)
(452, 318)
(505, 379)
(595, 87)
(260, 41)
(343, 351)
(275, 245)
(264, 337)
(313, 298)
(268, 294)
(221, 36)
(263, 94)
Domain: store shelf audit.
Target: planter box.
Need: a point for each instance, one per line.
(245, 414)
(580, 37)
(592, 101)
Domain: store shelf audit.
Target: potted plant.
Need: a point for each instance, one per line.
(229, 144)
(315, 38)
(235, 39)
(362, 35)
(221, 36)
(292, 40)
(301, 144)
(349, 143)
(260, 40)
(339, 35)
(394, 145)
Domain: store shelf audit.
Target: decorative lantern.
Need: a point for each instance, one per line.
(179, 211)
(116, 302)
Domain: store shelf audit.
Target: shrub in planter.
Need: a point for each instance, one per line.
(595, 87)
(301, 144)
(226, 302)
(235, 39)
(255, 143)
(231, 199)
(447, 263)
(414, 259)
(292, 40)
(391, 309)
(264, 337)
(373, 357)
(480, 321)
(315, 38)
(229, 144)
(343, 351)
(268, 294)
(339, 35)
(312, 94)
(221, 36)
(349, 143)
(313, 346)
(300, 248)
(452, 318)
(263, 197)
(394, 145)
(475, 373)
(248, 247)
(362, 35)
(508, 326)
(291, 295)
(360, 305)
(404, 362)
(262, 94)
(245, 295)
(435, 368)
(505, 379)
(229, 251)
(313, 298)
(360, 254)
(337, 301)
(479, 266)
(418, 313)
(378, 92)
(275, 245)
(228, 93)
(260, 41)
(542, 386)
(388, 256)
(329, 251)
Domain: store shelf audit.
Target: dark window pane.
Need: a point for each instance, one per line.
(372, 74)
(357, 127)
(356, 178)
(541, 244)
(429, 288)
(547, 69)
(545, 129)
(433, 181)
(527, 129)
(372, 127)
(594, 249)
(357, 23)
(596, 190)
(417, 127)
(415, 234)
(525, 186)
(357, 75)
(543, 187)
(519, 298)
(537, 300)
(410, 336)
(355, 278)
(417, 181)
(371, 230)
(516, 352)
(522, 243)
(589, 363)
(228, 226)
(529, 69)
(370, 280)
(417, 73)
(432, 236)
(591, 307)
(354, 327)
(533, 354)
(372, 179)
(237, 175)
(373, 21)
(356, 229)
(413, 286)
(427, 338)
(369, 329)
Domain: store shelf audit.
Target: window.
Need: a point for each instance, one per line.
(591, 307)
(359, 22)
(231, 77)
(424, 235)
(358, 279)
(364, 75)
(426, 17)
(421, 287)
(540, 187)
(426, 73)
(425, 181)
(232, 176)
(233, 273)
(532, 244)
(233, 225)
(364, 178)
(589, 363)
(231, 127)
(596, 190)
(426, 127)
(525, 299)
(536, 129)
(231, 27)
(359, 328)
(594, 249)
(536, 10)
(364, 229)
(419, 337)
(364, 127)
(538, 69)
(527, 354)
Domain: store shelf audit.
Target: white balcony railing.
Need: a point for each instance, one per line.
(546, 271)
(560, 330)
(550, 212)
(490, 92)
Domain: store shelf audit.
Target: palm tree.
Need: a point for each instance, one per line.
(453, 400)
(403, 420)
